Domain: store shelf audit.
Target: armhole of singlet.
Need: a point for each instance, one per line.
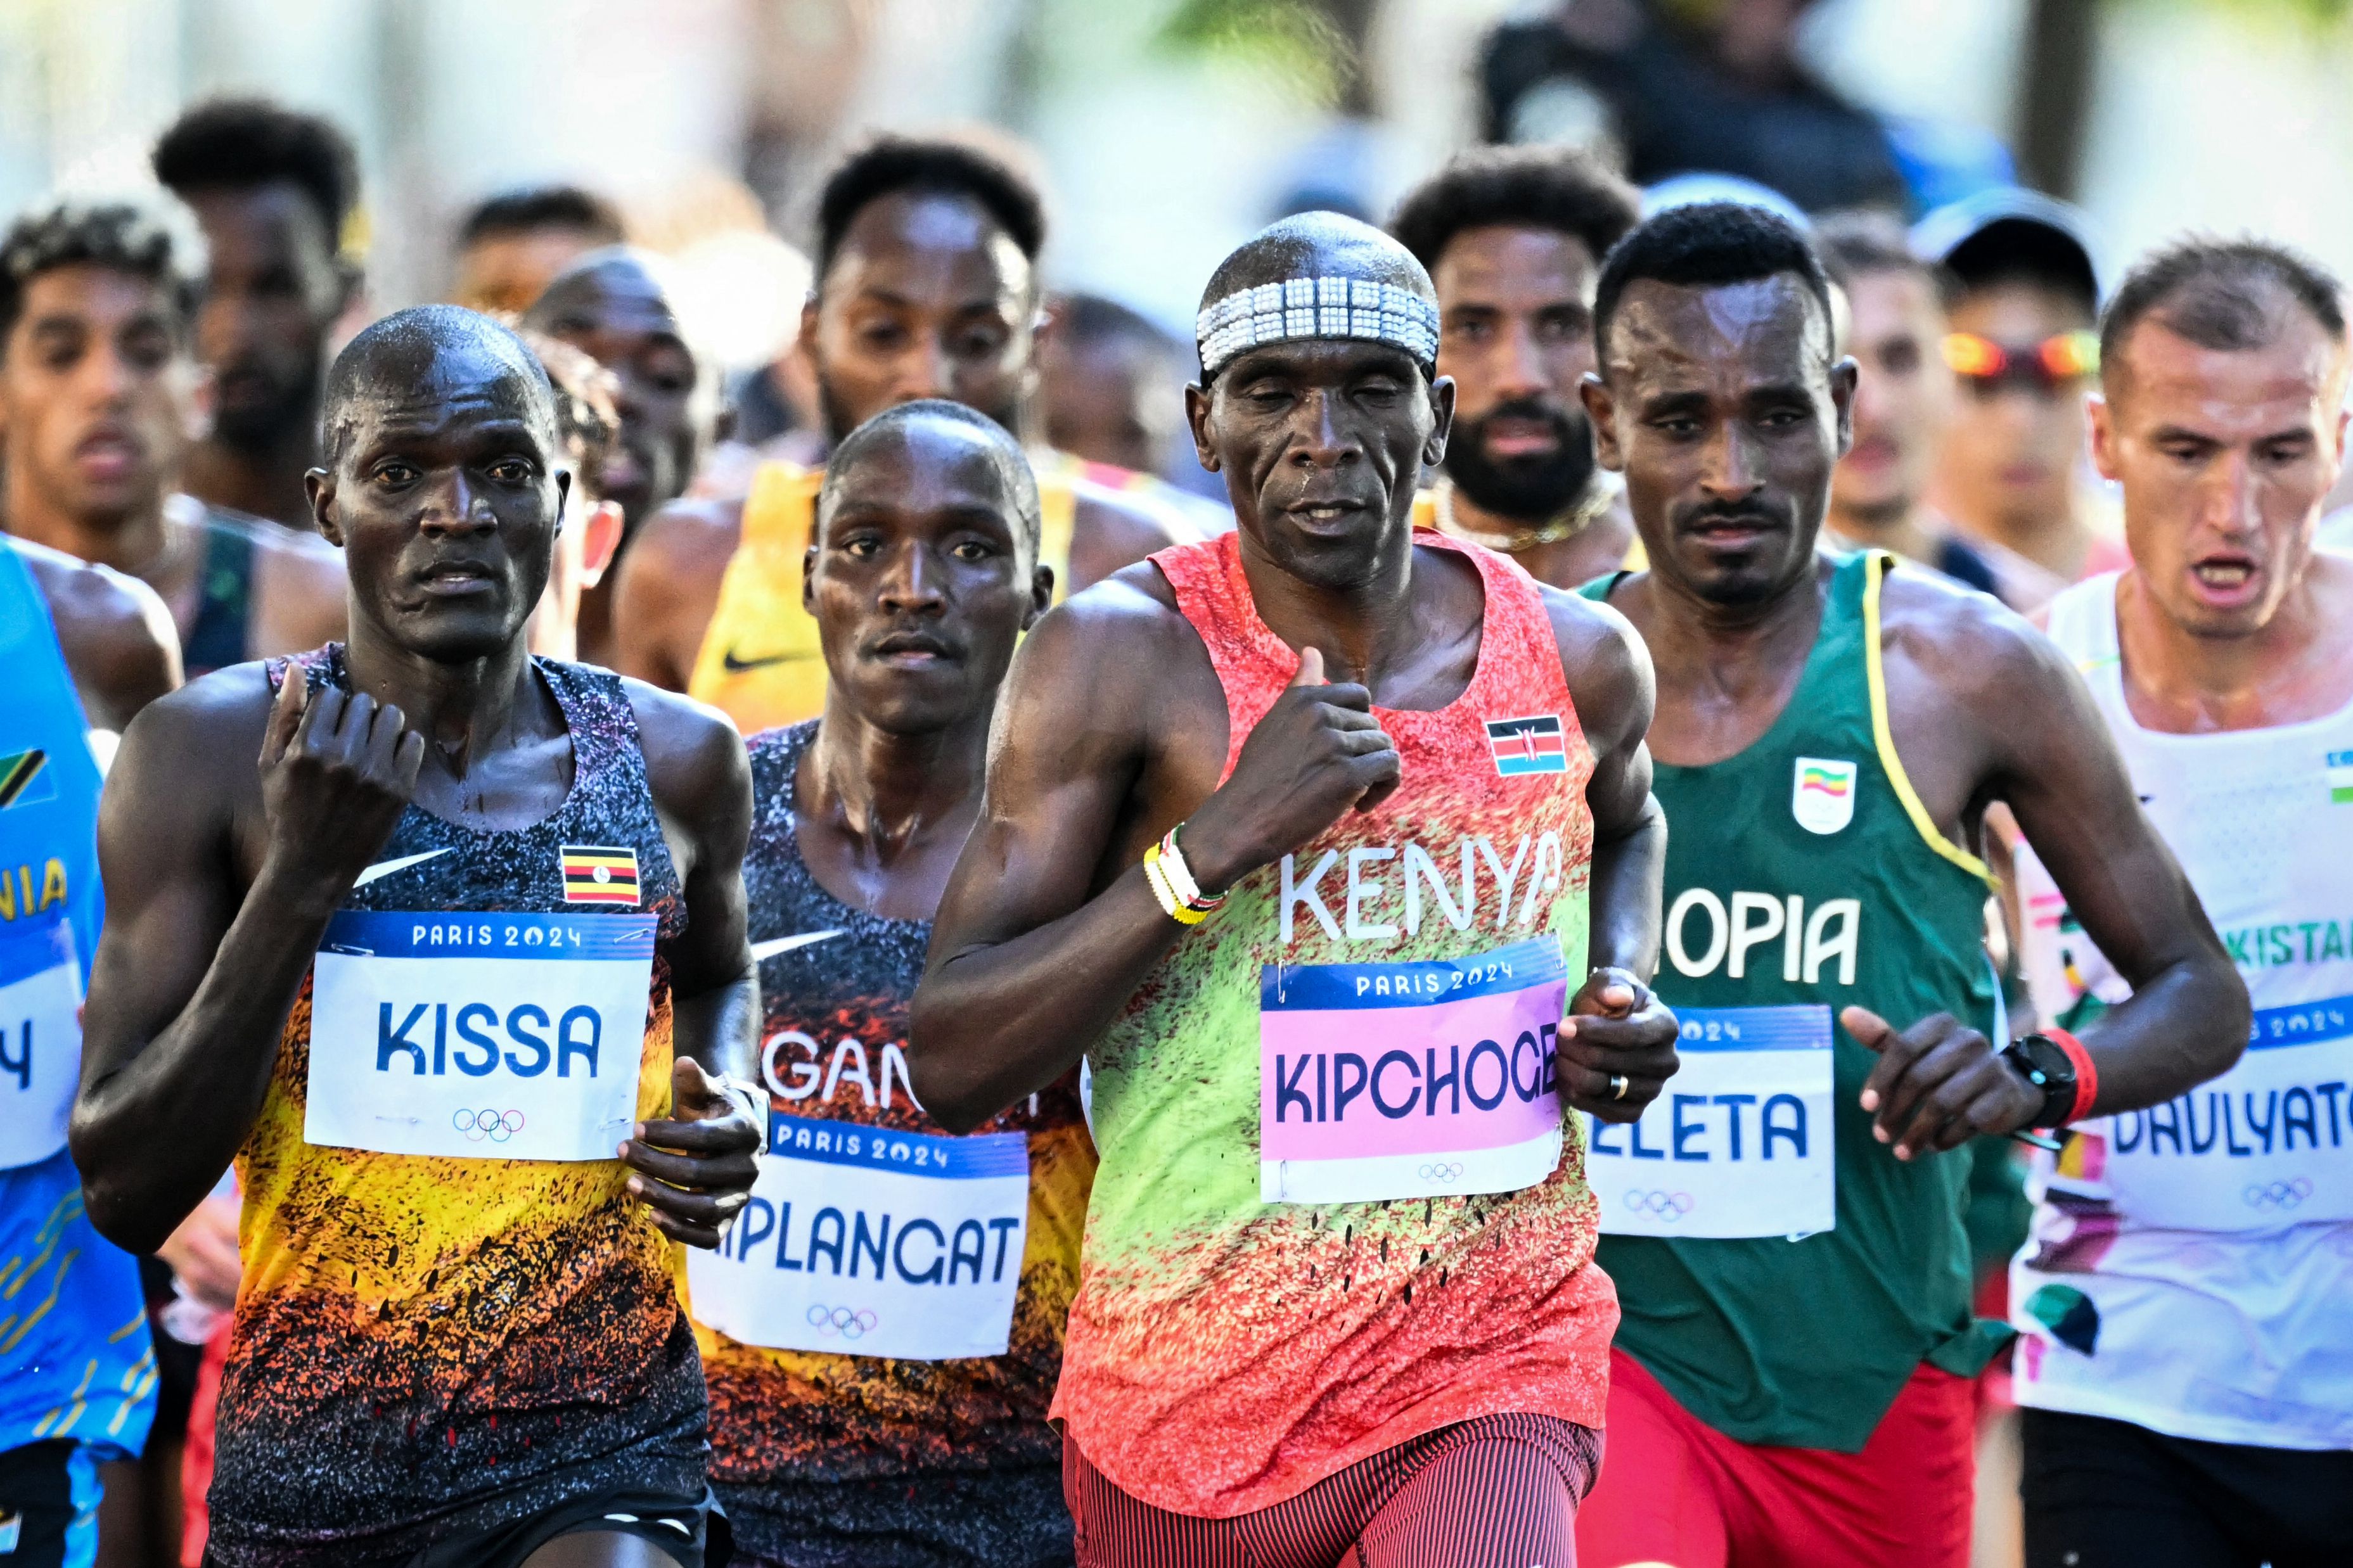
(1875, 570)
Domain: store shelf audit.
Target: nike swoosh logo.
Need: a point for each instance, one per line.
(735, 664)
(764, 950)
(387, 867)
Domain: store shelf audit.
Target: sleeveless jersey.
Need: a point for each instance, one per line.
(76, 1362)
(866, 1226)
(761, 662)
(217, 636)
(1803, 875)
(2191, 1268)
(429, 1346)
(1228, 1351)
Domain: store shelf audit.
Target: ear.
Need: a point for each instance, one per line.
(348, 278)
(319, 484)
(2104, 433)
(197, 414)
(1196, 416)
(1441, 408)
(808, 327)
(600, 539)
(1843, 378)
(1041, 594)
(1601, 413)
(809, 578)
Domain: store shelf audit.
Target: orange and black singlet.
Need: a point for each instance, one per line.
(430, 1345)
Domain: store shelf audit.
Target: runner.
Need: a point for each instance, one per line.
(900, 1420)
(512, 244)
(274, 190)
(1512, 238)
(588, 421)
(85, 648)
(458, 1338)
(95, 406)
(2183, 1304)
(1207, 868)
(927, 288)
(1790, 1382)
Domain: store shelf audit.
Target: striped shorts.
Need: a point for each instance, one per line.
(1500, 1491)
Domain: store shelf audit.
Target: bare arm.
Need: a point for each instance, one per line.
(1116, 529)
(667, 588)
(116, 632)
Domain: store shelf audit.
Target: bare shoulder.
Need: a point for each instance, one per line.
(1976, 650)
(694, 757)
(1109, 661)
(1115, 528)
(117, 634)
(207, 734)
(1607, 665)
(689, 540)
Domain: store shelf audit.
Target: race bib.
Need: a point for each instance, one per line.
(2270, 1142)
(1738, 1145)
(40, 1042)
(485, 1035)
(862, 1241)
(1409, 1080)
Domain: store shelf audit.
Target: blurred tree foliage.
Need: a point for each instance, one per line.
(1316, 47)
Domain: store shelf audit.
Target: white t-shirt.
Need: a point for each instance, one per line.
(2191, 1267)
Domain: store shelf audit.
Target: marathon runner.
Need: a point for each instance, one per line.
(927, 287)
(511, 243)
(1514, 237)
(85, 648)
(1261, 904)
(2183, 1300)
(422, 978)
(1791, 1378)
(97, 393)
(882, 1336)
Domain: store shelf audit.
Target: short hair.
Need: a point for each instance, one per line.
(238, 144)
(149, 236)
(1564, 189)
(1081, 320)
(1707, 244)
(1012, 463)
(524, 208)
(434, 327)
(2222, 294)
(897, 165)
(585, 415)
(1862, 241)
(2026, 250)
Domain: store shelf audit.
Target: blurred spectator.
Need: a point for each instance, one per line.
(1895, 328)
(1696, 86)
(588, 420)
(1111, 383)
(514, 243)
(274, 191)
(2023, 342)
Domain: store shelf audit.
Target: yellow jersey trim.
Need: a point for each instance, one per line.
(1882, 736)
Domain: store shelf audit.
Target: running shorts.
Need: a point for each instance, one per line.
(1500, 1491)
(689, 1529)
(1009, 1518)
(48, 1505)
(1681, 1492)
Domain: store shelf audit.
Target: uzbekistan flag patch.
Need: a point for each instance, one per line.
(595, 875)
(1533, 745)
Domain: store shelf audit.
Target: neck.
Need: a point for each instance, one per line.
(1741, 646)
(887, 792)
(464, 711)
(1901, 526)
(2288, 669)
(1358, 628)
(2054, 540)
(128, 542)
(266, 481)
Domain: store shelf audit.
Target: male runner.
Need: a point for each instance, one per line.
(510, 245)
(273, 190)
(422, 977)
(588, 423)
(1904, 396)
(891, 1410)
(1106, 382)
(1790, 1382)
(1512, 238)
(2184, 1299)
(1336, 1296)
(927, 287)
(96, 414)
(85, 648)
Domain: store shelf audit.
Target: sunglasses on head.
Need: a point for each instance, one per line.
(2054, 362)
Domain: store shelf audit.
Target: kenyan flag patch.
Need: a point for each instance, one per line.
(1532, 745)
(2340, 777)
(595, 875)
(26, 777)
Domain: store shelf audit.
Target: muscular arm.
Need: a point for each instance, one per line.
(299, 589)
(1115, 529)
(667, 588)
(116, 632)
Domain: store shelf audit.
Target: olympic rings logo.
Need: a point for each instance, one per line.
(498, 1126)
(1666, 1205)
(851, 1323)
(2278, 1194)
(1449, 1171)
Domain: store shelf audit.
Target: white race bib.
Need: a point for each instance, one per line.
(480, 1035)
(1740, 1143)
(862, 1241)
(40, 1042)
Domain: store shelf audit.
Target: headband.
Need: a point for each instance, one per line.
(1317, 307)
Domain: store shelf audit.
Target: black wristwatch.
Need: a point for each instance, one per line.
(2042, 1062)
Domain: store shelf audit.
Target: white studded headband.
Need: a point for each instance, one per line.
(1316, 308)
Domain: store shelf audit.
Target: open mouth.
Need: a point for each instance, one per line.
(2226, 580)
(1320, 514)
(1508, 440)
(107, 453)
(458, 579)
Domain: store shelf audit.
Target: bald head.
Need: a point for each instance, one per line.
(1317, 275)
(621, 271)
(428, 354)
(953, 425)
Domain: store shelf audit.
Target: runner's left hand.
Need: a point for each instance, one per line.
(1937, 1084)
(694, 1170)
(1615, 1028)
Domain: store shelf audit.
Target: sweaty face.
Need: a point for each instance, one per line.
(96, 392)
(1903, 398)
(507, 272)
(619, 316)
(919, 580)
(2012, 450)
(1322, 443)
(272, 294)
(1112, 401)
(445, 498)
(1724, 413)
(2225, 458)
(1516, 317)
(926, 298)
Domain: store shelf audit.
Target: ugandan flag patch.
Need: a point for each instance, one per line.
(26, 777)
(593, 874)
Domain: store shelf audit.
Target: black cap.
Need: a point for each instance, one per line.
(2009, 231)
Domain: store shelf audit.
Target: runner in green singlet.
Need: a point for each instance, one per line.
(1789, 1383)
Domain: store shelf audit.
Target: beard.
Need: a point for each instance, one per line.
(1525, 489)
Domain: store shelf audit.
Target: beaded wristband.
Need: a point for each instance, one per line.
(1180, 876)
(1174, 906)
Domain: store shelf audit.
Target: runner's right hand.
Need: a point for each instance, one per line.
(1318, 753)
(337, 770)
